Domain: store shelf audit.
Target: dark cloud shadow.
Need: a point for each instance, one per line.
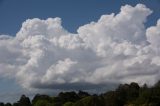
(78, 86)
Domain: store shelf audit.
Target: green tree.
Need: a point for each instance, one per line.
(112, 98)
(90, 101)
(16, 104)
(68, 97)
(1, 104)
(68, 104)
(83, 94)
(24, 101)
(39, 97)
(42, 103)
(8, 104)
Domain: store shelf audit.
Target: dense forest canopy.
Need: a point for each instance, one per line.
(125, 95)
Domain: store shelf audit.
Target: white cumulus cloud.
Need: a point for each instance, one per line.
(115, 49)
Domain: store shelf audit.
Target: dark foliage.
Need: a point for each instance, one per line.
(39, 97)
(125, 95)
(7, 104)
(24, 101)
(1, 104)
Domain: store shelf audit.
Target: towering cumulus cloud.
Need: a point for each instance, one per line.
(115, 49)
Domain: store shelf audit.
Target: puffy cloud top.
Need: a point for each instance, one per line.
(115, 49)
(153, 34)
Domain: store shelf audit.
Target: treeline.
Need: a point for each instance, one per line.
(125, 95)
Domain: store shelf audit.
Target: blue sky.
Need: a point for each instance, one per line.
(74, 13)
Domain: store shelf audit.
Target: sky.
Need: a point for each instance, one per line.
(54, 45)
(74, 13)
